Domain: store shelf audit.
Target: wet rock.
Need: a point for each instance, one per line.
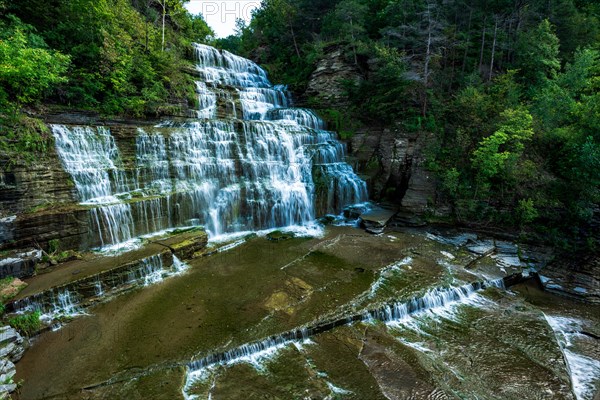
(354, 211)
(9, 388)
(327, 219)
(406, 219)
(507, 255)
(397, 378)
(11, 351)
(482, 247)
(375, 220)
(577, 278)
(457, 240)
(276, 236)
(187, 244)
(20, 264)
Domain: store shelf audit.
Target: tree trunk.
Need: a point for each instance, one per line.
(353, 42)
(493, 51)
(482, 45)
(294, 37)
(164, 6)
(468, 42)
(428, 50)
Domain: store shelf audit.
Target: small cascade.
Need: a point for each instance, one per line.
(273, 168)
(149, 272)
(99, 291)
(92, 158)
(71, 299)
(57, 303)
(207, 101)
(435, 299)
(583, 370)
(114, 223)
(178, 265)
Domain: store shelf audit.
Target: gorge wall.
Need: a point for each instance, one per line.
(392, 161)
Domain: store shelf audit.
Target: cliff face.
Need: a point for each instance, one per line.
(326, 83)
(394, 162)
(391, 160)
(37, 205)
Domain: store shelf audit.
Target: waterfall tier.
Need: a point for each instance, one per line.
(271, 168)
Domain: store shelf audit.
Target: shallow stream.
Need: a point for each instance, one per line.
(519, 343)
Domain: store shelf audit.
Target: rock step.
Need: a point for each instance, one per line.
(376, 219)
(82, 276)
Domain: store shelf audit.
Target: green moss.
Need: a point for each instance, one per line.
(27, 324)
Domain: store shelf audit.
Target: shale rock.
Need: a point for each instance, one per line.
(578, 279)
(326, 82)
(11, 351)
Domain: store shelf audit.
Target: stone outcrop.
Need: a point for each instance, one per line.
(19, 264)
(39, 184)
(327, 80)
(376, 219)
(578, 279)
(11, 351)
(393, 163)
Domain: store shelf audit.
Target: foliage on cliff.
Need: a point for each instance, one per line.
(509, 88)
(115, 56)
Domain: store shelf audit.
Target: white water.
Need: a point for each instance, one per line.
(61, 302)
(275, 168)
(584, 370)
(435, 300)
(56, 304)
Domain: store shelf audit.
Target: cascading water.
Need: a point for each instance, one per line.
(276, 167)
(584, 370)
(435, 299)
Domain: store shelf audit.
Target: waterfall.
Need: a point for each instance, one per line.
(52, 304)
(434, 299)
(274, 167)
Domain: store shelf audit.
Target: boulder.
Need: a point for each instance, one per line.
(11, 345)
(375, 220)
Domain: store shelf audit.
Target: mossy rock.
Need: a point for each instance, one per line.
(276, 236)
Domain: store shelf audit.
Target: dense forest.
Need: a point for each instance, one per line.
(508, 90)
(118, 57)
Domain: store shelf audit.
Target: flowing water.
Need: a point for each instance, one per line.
(275, 166)
(348, 315)
(333, 313)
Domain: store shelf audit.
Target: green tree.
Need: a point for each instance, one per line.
(537, 54)
(498, 153)
(28, 69)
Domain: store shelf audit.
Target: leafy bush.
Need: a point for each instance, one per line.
(27, 324)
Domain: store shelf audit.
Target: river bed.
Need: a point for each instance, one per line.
(492, 344)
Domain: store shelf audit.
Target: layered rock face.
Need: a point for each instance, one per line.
(578, 279)
(248, 161)
(326, 83)
(11, 351)
(391, 160)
